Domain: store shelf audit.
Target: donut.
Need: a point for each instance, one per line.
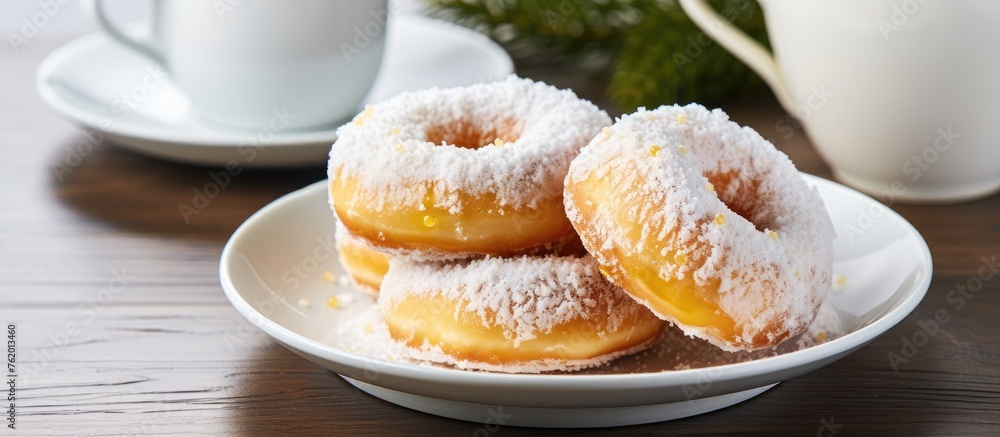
(705, 223)
(364, 265)
(453, 173)
(525, 314)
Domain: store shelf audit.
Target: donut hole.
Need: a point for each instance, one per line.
(745, 198)
(469, 135)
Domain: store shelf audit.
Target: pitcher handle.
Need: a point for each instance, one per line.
(742, 46)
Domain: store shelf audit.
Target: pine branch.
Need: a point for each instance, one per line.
(667, 59)
(654, 53)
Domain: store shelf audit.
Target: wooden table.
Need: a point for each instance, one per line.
(122, 324)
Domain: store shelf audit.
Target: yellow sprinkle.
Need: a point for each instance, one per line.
(498, 142)
(709, 187)
(364, 115)
(772, 234)
(328, 276)
(680, 258)
(604, 271)
(682, 149)
(400, 148)
(430, 221)
(654, 150)
(821, 336)
(681, 118)
(606, 132)
(394, 131)
(368, 328)
(841, 280)
(332, 302)
(720, 219)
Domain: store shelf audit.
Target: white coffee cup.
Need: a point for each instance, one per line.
(899, 96)
(239, 62)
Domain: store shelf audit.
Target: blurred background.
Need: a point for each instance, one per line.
(642, 52)
(647, 52)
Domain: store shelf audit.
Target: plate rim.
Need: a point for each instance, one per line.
(747, 370)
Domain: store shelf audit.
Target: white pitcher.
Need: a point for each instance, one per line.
(900, 97)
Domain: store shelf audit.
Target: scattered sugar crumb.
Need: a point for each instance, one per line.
(366, 333)
(839, 283)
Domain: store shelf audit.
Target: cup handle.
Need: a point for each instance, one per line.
(142, 46)
(742, 46)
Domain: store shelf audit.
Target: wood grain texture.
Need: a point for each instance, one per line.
(122, 321)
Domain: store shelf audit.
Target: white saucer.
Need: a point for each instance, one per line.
(83, 79)
(279, 255)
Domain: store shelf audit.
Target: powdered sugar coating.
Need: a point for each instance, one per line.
(434, 354)
(345, 242)
(388, 145)
(772, 268)
(431, 255)
(524, 296)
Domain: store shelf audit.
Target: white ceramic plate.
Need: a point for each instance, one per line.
(85, 79)
(279, 256)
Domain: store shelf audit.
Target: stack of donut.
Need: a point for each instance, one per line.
(463, 211)
(462, 189)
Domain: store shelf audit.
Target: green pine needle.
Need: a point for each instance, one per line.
(655, 54)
